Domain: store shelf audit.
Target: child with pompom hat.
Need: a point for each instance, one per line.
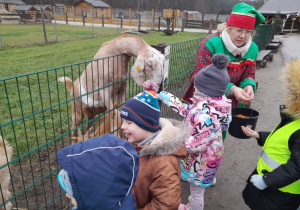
(206, 118)
(159, 143)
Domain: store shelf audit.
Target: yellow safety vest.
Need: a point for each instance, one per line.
(276, 152)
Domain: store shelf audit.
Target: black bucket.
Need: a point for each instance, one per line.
(250, 121)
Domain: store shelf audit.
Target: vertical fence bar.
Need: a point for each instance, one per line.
(55, 22)
(44, 27)
(1, 42)
(39, 122)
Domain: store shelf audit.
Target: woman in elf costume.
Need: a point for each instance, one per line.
(234, 38)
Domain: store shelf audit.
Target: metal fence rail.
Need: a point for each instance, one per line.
(36, 119)
(264, 35)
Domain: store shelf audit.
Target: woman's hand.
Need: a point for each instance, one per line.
(242, 96)
(249, 132)
(249, 91)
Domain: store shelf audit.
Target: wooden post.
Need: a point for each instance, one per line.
(44, 27)
(110, 17)
(173, 17)
(158, 27)
(55, 23)
(210, 26)
(83, 19)
(121, 21)
(66, 18)
(139, 24)
(217, 18)
(202, 21)
(102, 20)
(182, 26)
(73, 11)
(130, 13)
(153, 18)
(292, 26)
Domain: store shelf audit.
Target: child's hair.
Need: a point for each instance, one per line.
(144, 109)
(100, 172)
(213, 79)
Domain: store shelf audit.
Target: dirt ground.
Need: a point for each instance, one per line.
(241, 155)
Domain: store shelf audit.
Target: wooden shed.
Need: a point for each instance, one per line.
(27, 13)
(288, 10)
(91, 8)
(9, 5)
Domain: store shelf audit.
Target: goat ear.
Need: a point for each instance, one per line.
(137, 70)
(151, 62)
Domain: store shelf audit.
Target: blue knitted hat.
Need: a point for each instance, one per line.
(143, 109)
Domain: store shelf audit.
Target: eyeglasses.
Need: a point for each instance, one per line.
(241, 31)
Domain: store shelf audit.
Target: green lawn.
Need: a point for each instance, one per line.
(36, 108)
(21, 60)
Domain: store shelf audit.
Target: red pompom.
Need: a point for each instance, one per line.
(150, 85)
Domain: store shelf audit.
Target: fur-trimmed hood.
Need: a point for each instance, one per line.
(291, 81)
(170, 139)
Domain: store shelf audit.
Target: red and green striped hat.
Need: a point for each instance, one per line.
(245, 16)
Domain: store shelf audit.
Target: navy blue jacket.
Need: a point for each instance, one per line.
(102, 172)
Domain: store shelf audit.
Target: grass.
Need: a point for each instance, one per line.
(36, 110)
(34, 107)
(21, 60)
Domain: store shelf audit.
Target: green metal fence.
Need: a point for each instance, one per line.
(264, 35)
(36, 119)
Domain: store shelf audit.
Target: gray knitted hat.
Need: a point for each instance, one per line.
(213, 79)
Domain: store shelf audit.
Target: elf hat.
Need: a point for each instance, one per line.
(144, 109)
(245, 16)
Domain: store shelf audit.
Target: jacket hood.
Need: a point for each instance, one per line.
(170, 139)
(102, 172)
(291, 82)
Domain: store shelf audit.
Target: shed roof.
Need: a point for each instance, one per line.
(280, 6)
(95, 3)
(23, 7)
(11, 2)
(45, 7)
(58, 5)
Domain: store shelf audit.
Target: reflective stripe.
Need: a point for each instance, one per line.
(269, 161)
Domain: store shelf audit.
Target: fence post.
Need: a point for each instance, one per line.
(130, 13)
(55, 23)
(153, 18)
(1, 42)
(44, 27)
(139, 24)
(83, 19)
(210, 26)
(92, 21)
(217, 18)
(73, 13)
(182, 26)
(202, 21)
(102, 20)
(292, 26)
(121, 21)
(66, 18)
(173, 18)
(158, 27)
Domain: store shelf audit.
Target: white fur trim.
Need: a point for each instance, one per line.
(234, 50)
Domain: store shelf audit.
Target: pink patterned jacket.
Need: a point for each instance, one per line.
(206, 118)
